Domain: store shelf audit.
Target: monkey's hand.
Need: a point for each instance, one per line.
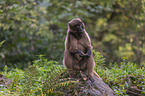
(88, 54)
(73, 51)
(81, 54)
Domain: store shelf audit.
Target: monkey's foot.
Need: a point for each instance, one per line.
(83, 75)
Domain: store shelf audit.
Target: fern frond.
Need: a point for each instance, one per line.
(55, 81)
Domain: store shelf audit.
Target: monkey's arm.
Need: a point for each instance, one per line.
(89, 49)
(88, 54)
(86, 43)
(75, 52)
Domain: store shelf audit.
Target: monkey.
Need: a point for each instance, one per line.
(78, 54)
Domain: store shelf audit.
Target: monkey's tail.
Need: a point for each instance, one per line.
(96, 74)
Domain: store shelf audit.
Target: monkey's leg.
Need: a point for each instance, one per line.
(67, 60)
(70, 63)
(75, 68)
(83, 64)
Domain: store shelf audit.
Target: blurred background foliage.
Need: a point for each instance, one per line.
(34, 27)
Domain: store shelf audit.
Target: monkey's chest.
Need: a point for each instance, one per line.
(80, 47)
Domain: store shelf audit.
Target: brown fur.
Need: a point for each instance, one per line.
(76, 43)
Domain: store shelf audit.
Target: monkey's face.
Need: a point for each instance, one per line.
(76, 27)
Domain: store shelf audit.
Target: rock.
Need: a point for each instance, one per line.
(97, 88)
(87, 88)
